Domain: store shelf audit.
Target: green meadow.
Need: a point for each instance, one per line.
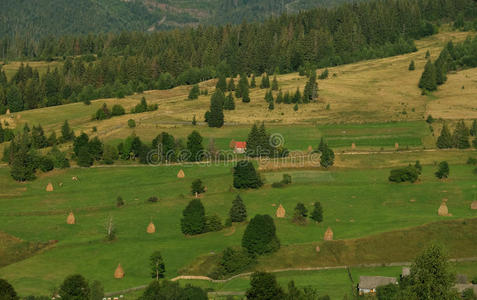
(357, 203)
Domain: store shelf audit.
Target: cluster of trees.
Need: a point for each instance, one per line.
(143, 107)
(114, 65)
(24, 158)
(410, 173)
(431, 277)
(195, 221)
(260, 143)
(452, 58)
(327, 158)
(460, 139)
(105, 113)
(6, 134)
(301, 213)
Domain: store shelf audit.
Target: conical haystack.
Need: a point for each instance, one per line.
(281, 212)
(328, 234)
(310, 149)
(180, 174)
(473, 205)
(396, 146)
(353, 146)
(119, 273)
(71, 219)
(443, 210)
(151, 228)
(49, 187)
(8, 111)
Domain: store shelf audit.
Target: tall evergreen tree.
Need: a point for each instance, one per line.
(260, 236)
(194, 146)
(444, 141)
(412, 65)
(253, 83)
(428, 81)
(222, 83)
(275, 83)
(310, 93)
(238, 211)
(317, 213)
(473, 129)
(216, 115)
(194, 92)
(264, 286)
(461, 136)
(253, 142)
(67, 133)
(229, 103)
(245, 176)
(265, 83)
(231, 85)
(22, 162)
(193, 221)
(327, 158)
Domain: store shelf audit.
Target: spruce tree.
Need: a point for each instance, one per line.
(444, 141)
(216, 113)
(229, 103)
(461, 136)
(231, 85)
(322, 145)
(443, 170)
(412, 65)
(265, 83)
(253, 83)
(193, 220)
(253, 142)
(222, 83)
(300, 213)
(327, 157)
(194, 92)
(22, 162)
(473, 129)
(295, 107)
(245, 176)
(428, 54)
(238, 211)
(297, 96)
(260, 236)
(317, 213)
(275, 83)
(66, 133)
(245, 95)
(85, 159)
(310, 93)
(428, 79)
(271, 106)
(265, 286)
(39, 140)
(194, 146)
(279, 97)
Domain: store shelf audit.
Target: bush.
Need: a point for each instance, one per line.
(213, 223)
(131, 123)
(472, 161)
(443, 170)
(119, 201)
(7, 291)
(260, 236)
(152, 199)
(300, 214)
(46, 164)
(409, 173)
(277, 184)
(232, 261)
(197, 187)
(118, 110)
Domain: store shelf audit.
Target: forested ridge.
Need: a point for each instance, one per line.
(114, 65)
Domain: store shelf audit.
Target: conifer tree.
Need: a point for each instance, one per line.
(297, 96)
(300, 213)
(231, 85)
(271, 106)
(412, 65)
(253, 83)
(222, 83)
(238, 211)
(473, 129)
(295, 107)
(22, 162)
(428, 79)
(317, 213)
(229, 103)
(461, 136)
(193, 221)
(215, 117)
(245, 95)
(265, 83)
(66, 133)
(441, 67)
(279, 97)
(444, 141)
(327, 157)
(194, 92)
(260, 236)
(443, 170)
(428, 54)
(253, 142)
(310, 93)
(275, 83)
(194, 146)
(39, 140)
(245, 176)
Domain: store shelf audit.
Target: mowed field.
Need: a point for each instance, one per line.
(373, 104)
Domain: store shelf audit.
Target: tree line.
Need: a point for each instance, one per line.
(118, 64)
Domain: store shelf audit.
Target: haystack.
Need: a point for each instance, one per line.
(180, 174)
(328, 234)
(49, 187)
(317, 249)
(396, 145)
(443, 210)
(473, 206)
(151, 228)
(119, 273)
(353, 146)
(281, 212)
(71, 219)
(310, 149)
(8, 111)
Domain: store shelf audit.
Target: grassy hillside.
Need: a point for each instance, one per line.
(367, 214)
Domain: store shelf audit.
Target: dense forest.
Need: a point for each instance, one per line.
(59, 17)
(114, 65)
